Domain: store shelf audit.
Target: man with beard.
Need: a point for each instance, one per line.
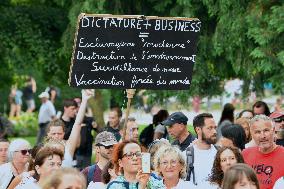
(201, 154)
(176, 125)
(266, 157)
(104, 146)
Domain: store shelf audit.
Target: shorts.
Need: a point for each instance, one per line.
(30, 104)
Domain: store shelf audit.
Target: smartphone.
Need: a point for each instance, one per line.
(146, 162)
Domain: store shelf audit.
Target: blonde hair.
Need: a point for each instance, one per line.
(172, 151)
(153, 148)
(53, 142)
(241, 121)
(55, 123)
(55, 179)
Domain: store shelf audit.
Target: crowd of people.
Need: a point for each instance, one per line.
(24, 96)
(240, 152)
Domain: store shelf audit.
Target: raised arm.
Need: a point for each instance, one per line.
(75, 133)
(33, 85)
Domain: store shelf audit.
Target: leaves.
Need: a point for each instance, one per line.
(241, 39)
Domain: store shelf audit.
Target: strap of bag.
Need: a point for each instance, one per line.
(91, 173)
(190, 161)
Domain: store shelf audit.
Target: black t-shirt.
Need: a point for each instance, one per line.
(28, 93)
(87, 138)
(85, 147)
(68, 127)
(185, 143)
(280, 142)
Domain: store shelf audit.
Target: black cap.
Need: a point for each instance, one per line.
(177, 117)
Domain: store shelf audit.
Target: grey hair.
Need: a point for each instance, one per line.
(15, 145)
(170, 151)
(261, 117)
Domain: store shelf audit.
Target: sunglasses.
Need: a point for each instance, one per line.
(24, 152)
(279, 120)
(106, 147)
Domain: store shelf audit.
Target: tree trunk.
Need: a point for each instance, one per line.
(97, 107)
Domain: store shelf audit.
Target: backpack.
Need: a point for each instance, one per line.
(91, 173)
(147, 135)
(190, 161)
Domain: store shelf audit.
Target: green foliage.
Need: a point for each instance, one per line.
(241, 39)
(25, 125)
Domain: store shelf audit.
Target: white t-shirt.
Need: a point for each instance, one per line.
(6, 174)
(203, 162)
(46, 112)
(250, 144)
(68, 159)
(96, 185)
(279, 184)
(184, 184)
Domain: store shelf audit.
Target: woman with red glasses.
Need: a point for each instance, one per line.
(19, 154)
(127, 161)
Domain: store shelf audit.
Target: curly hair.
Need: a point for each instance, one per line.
(217, 174)
(172, 151)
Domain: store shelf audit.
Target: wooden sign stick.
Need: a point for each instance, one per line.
(130, 94)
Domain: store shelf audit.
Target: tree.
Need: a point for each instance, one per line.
(241, 39)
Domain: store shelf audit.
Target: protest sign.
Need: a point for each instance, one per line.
(133, 52)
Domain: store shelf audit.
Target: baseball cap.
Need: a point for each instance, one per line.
(43, 95)
(177, 117)
(276, 114)
(105, 138)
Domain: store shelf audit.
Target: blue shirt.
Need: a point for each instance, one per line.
(121, 183)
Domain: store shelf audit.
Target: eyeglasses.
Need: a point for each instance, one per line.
(173, 163)
(130, 155)
(24, 152)
(279, 120)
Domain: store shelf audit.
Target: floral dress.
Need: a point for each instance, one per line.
(121, 183)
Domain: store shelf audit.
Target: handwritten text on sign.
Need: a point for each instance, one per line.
(134, 52)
